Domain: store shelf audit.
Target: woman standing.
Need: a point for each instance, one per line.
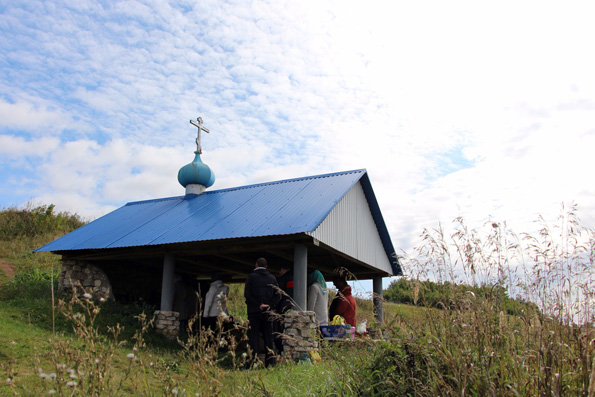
(318, 297)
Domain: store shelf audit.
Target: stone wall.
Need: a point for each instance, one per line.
(299, 337)
(167, 323)
(83, 277)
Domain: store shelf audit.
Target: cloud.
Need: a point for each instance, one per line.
(36, 119)
(450, 113)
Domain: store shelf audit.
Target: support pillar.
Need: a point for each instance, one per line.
(377, 289)
(167, 282)
(300, 276)
(167, 322)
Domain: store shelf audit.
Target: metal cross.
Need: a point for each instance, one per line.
(200, 128)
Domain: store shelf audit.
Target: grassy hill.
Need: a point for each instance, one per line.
(449, 339)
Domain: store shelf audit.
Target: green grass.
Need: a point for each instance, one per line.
(463, 337)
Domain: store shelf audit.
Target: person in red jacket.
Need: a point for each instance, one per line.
(344, 303)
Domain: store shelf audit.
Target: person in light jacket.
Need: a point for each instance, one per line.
(318, 297)
(215, 302)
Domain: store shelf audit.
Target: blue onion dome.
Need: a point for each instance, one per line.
(197, 173)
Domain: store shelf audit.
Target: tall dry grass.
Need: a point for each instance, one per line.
(472, 346)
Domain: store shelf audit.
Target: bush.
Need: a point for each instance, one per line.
(36, 221)
(447, 294)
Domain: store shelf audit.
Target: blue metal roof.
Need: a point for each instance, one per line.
(274, 208)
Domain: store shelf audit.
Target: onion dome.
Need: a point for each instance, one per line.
(196, 173)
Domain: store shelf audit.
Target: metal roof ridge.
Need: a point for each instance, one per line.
(361, 170)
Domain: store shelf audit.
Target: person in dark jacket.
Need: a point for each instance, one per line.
(262, 296)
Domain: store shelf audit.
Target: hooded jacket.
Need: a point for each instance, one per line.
(261, 287)
(215, 300)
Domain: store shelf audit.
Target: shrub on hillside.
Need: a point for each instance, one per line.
(447, 294)
(35, 221)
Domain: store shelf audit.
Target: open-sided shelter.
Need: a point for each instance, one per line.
(317, 222)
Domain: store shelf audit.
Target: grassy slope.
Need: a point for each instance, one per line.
(25, 333)
(471, 347)
(26, 339)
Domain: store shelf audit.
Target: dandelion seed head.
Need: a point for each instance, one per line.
(71, 383)
(174, 391)
(131, 356)
(52, 391)
(52, 376)
(87, 295)
(8, 380)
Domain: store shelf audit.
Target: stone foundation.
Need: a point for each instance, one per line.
(167, 323)
(84, 278)
(299, 337)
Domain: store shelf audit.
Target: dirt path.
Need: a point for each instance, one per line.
(7, 268)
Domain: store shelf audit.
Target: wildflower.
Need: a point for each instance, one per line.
(52, 376)
(102, 299)
(174, 391)
(96, 361)
(8, 380)
(12, 342)
(52, 391)
(131, 356)
(244, 355)
(87, 295)
(71, 383)
(42, 375)
(73, 376)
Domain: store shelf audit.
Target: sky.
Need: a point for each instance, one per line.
(476, 109)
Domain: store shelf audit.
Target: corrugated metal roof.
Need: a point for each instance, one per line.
(273, 208)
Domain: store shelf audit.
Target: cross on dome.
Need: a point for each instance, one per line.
(198, 124)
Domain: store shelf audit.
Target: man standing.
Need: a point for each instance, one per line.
(262, 295)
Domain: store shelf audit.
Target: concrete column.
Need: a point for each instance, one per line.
(300, 276)
(167, 282)
(377, 289)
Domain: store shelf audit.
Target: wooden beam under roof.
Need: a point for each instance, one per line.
(217, 269)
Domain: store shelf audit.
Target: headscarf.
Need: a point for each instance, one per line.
(318, 278)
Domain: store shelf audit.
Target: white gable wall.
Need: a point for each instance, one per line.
(350, 228)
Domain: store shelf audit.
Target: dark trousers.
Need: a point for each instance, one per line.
(261, 323)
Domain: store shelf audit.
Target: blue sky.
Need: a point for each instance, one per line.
(454, 108)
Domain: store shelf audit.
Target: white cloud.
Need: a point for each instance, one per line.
(454, 108)
(37, 119)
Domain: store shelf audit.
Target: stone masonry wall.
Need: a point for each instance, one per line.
(167, 323)
(299, 337)
(83, 277)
